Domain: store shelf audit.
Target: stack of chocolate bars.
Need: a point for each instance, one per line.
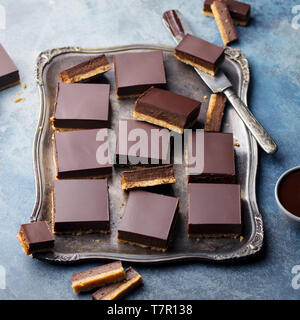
(227, 13)
(111, 281)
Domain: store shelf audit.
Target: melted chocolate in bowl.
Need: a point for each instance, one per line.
(289, 192)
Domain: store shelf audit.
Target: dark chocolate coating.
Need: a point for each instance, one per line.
(168, 106)
(148, 219)
(9, 73)
(81, 205)
(136, 72)
(200, 49)
(238, 10)
(219, 164)
(214, 209)
(76, 154)
(37, 235)
(81, 105)
(162, 156)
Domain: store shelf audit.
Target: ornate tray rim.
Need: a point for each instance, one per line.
(250, 248)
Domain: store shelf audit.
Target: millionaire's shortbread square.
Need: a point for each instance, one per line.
(77, 155)
(199, 53)
(135, 72)
(167, 109)
(214, 210)
(81, 106)
(85, 70)
(80, 206)
(148, 220)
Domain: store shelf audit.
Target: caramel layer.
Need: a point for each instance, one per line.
(205, 67)
(147, 177)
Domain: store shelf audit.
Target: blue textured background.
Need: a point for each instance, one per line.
(273, 49)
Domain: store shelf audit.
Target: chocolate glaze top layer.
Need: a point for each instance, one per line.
(199, 48)
(168, 101)
(146, 129)
(235, 7)
(37, 232)
(82, 101)
(76, 150)
(214, 204)
(289, 192)
(149, 214)
(139, 68)
(6, 64)
(218, 152)
(81, 200)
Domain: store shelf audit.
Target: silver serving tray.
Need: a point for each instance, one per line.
(181, 79)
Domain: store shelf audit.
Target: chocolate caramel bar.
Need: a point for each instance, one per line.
(75, 154)
(156, 139)
(217, 158)
(81, 106)
(167, 109)
(239, 11)
(146, 177)
(199, 53)
(36, 237)
(85, 70)
(90, 279)
(224, 21)
(215, 111)
(148, 220)
(80, 206)
(214, 210)
(135, 72)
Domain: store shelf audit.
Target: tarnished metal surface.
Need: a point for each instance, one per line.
(181, 79)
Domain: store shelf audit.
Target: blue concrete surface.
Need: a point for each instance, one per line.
(273, 49)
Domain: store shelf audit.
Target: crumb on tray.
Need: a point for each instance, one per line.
(18, 99)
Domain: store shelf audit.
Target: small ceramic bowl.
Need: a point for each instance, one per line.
(291, 217)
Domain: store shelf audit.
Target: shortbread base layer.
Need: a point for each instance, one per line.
(213, 235)
(141, 245)
(161, 123)
(147, 183)
(99, 280)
